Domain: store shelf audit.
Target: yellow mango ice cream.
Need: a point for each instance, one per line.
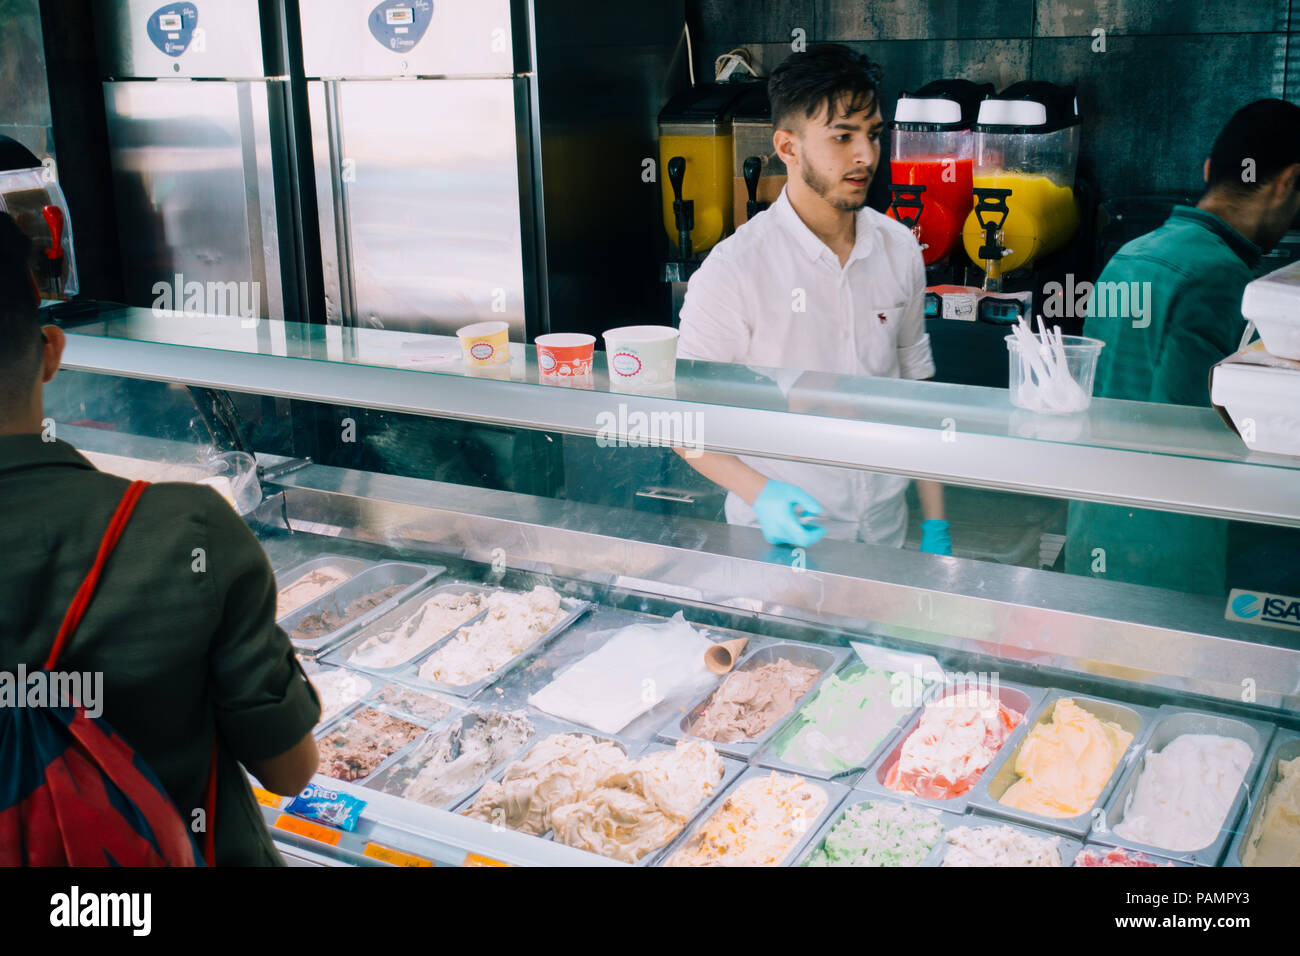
(1064, 763)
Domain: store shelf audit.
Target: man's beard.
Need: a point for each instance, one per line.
(822, 187)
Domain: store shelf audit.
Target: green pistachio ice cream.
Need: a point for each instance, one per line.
(879, 834)
(845, 721)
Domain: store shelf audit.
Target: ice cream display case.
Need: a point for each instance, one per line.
(524, 681)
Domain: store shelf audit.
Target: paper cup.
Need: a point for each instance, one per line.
(640, 356)
(564, 358)
(484, 343)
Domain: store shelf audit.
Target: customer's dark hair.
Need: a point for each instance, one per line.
(1265, 131)
(827, 77)
(20, 326)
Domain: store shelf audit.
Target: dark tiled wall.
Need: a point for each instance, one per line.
(1171, 74)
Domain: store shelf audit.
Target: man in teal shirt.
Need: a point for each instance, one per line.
(1191, 273)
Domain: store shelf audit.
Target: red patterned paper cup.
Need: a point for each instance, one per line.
(564, 356)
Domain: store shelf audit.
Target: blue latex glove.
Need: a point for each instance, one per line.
(935, 538)
(775, 510)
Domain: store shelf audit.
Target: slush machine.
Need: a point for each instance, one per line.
(931, 157)
(1026, 152)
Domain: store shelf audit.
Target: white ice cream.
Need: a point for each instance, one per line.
(633, 671)
(1185, 791)
(513, 623)
(337, 689)
(436, 618)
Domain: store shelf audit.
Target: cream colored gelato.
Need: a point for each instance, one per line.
(456, 758)
(1000, 846)
(435, 618)
(759, 824)
(337, 689)
(642, 804)
(749, 702)
(1065, 762)
(307, 588)
(514, 622)
(558, 770)
(1275, 841)
(1184, 792)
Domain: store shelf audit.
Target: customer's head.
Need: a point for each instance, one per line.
(1255, 167)
(826, 123)
(29, 354)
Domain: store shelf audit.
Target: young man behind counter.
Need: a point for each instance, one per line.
(860, 280)
(184, 654)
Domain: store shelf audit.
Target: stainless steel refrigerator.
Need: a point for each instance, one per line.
(197, 143)
(419, 118)
(434, 162)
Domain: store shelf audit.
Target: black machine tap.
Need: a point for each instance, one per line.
(992, 202)
(902, 200)
(752, 168)
(683, 210)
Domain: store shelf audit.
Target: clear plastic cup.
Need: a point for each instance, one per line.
(234, 476)
(1081, 354)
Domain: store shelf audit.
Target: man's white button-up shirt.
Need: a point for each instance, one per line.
(774, 295)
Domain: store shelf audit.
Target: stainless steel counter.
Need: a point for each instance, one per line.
(1171, 458)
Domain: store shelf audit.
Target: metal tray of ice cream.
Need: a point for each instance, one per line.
(398, 773)
(1015, 696)
(573, 607)
(324, 730)
(825, 658)
(412, 577)
(1001, 773)
(1285, 746)
(547, 727)
(398, 616)
(375, 697)
(768, 754)
(856, 798)
(1170, 722)
(311, 668)
(1104, 848)
(353, 566)
(634, 750)
(1068, 846)
(835, 794)
(731, 770)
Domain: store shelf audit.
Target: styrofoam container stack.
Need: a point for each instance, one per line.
(1272, 302)
(1262, 399)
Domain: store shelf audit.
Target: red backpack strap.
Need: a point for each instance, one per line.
(77, 610)
(210, 810)
(81, 602)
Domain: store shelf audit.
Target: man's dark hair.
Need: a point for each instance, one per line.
(826, 77)
(20, 325)
(1266, 131)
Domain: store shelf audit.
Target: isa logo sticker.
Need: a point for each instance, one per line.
(1270, 610)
